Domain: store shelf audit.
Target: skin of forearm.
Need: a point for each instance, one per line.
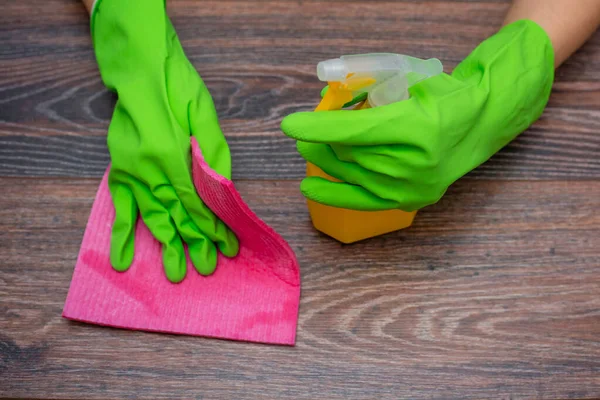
(568, 23)
(88, 4)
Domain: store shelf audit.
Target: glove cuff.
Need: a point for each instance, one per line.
(516, 65)
(93, 9)
(129, 38)
(539, 36)
(125, 12)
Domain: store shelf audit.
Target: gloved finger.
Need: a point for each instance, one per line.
(360, 127)
(356, 99)
(206, 221)
(324, 157)
(396, 161)
(324, 90)
(202, 250)
(404, 122)
(343, 195)
(159, 222)
(204, 126)
(122, 239)
(411, 181)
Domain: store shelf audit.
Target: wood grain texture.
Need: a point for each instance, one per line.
(493, 293)
(258, 60)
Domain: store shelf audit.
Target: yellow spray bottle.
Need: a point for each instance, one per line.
(385, 78)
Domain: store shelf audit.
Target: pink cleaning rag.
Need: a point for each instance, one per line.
(251, 297)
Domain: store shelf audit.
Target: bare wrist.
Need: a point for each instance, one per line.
(89, 5)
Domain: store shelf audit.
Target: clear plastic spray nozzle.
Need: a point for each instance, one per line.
(382, 75)
(337, 69)
(332, 70)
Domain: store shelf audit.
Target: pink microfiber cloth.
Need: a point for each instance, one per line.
(251, 297)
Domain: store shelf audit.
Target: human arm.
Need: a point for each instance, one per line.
(405, 155)
(88, 5)
(162, 102)
(568, 23)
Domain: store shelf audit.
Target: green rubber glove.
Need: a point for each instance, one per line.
(405, 155)
(161, 102)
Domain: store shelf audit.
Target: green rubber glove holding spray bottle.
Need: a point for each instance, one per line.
(406, 154)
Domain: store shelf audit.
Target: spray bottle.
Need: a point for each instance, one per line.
(384, 78)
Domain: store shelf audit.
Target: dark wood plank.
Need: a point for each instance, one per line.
(493, 293)
(258, 59)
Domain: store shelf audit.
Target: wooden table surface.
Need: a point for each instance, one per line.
(493, 293)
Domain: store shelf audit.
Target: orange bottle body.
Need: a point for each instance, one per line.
(349, 226)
